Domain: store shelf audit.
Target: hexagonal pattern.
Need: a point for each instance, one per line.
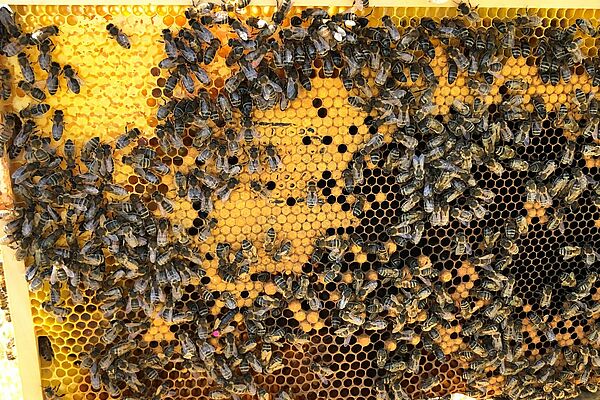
(317, 139)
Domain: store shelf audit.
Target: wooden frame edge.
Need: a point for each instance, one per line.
(19, 303)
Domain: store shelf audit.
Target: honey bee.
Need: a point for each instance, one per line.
(429, 383)
(117, 34)
(254, 162)
(7, 19)
(125, 139)
(51, 393)
(568, 154)
(26, 69)
(206, 230)
(414, 360)
(273, 158)
(259, 189)
(461, 245)
(6, 84)
(312, 198)
(34, 110)
(32, 90)
(218, 394)
(165, 206)
(322, 371)
(568, 279)
(73, 80)
(546, 296)
(45, 348)
(283, 251)
(569, 252)
(381, 358)
(358, 206)
(348, 178)
(462, 216)
(58, 125)
(395, 366)
(249, 251)
(269, 243)
(224, 192)
(590, 255)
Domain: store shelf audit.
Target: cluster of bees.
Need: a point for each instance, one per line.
(71, 215)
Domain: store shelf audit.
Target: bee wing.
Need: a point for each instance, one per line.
(162, 210)
(425, 280)
(68, 271)
(595, 131)
(324, 380)
(40, 84)
(54, 275)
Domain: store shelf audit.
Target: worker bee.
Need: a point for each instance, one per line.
(253, 162)
(26, 69)
(32, 90)
(224, 192)
(556, 220)
(568, 154)
(6, 84)
(58, 125)
(13, 47)
(312, 198)
(273, 158)
(282, 251)
(228, 300)
(395, 366)
(567, 279)
(490, 237)
(590, 255)
(211, 51)
(126, 138)
(233, 145)
(413, 362)
(165, 206)
(461, 244)
(117, 34)
(531, 191)
(44, 58)
(462, 216)
(51, 393)
(204, 233)
(348, 178)
(590, 150)
(518, 85)
(259, 189)
(7, 19)
(269, 242)
(381, 358)
(429, 383)
(569, 252)
(73, 80)
(546, 296)
(45, 348)
(322, 371)
(52, 83)
(41, 34)
(249, 251)
(539, 106)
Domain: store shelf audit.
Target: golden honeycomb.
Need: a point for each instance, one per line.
(316, 138)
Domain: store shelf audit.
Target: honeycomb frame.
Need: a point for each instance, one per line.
(307, 108)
